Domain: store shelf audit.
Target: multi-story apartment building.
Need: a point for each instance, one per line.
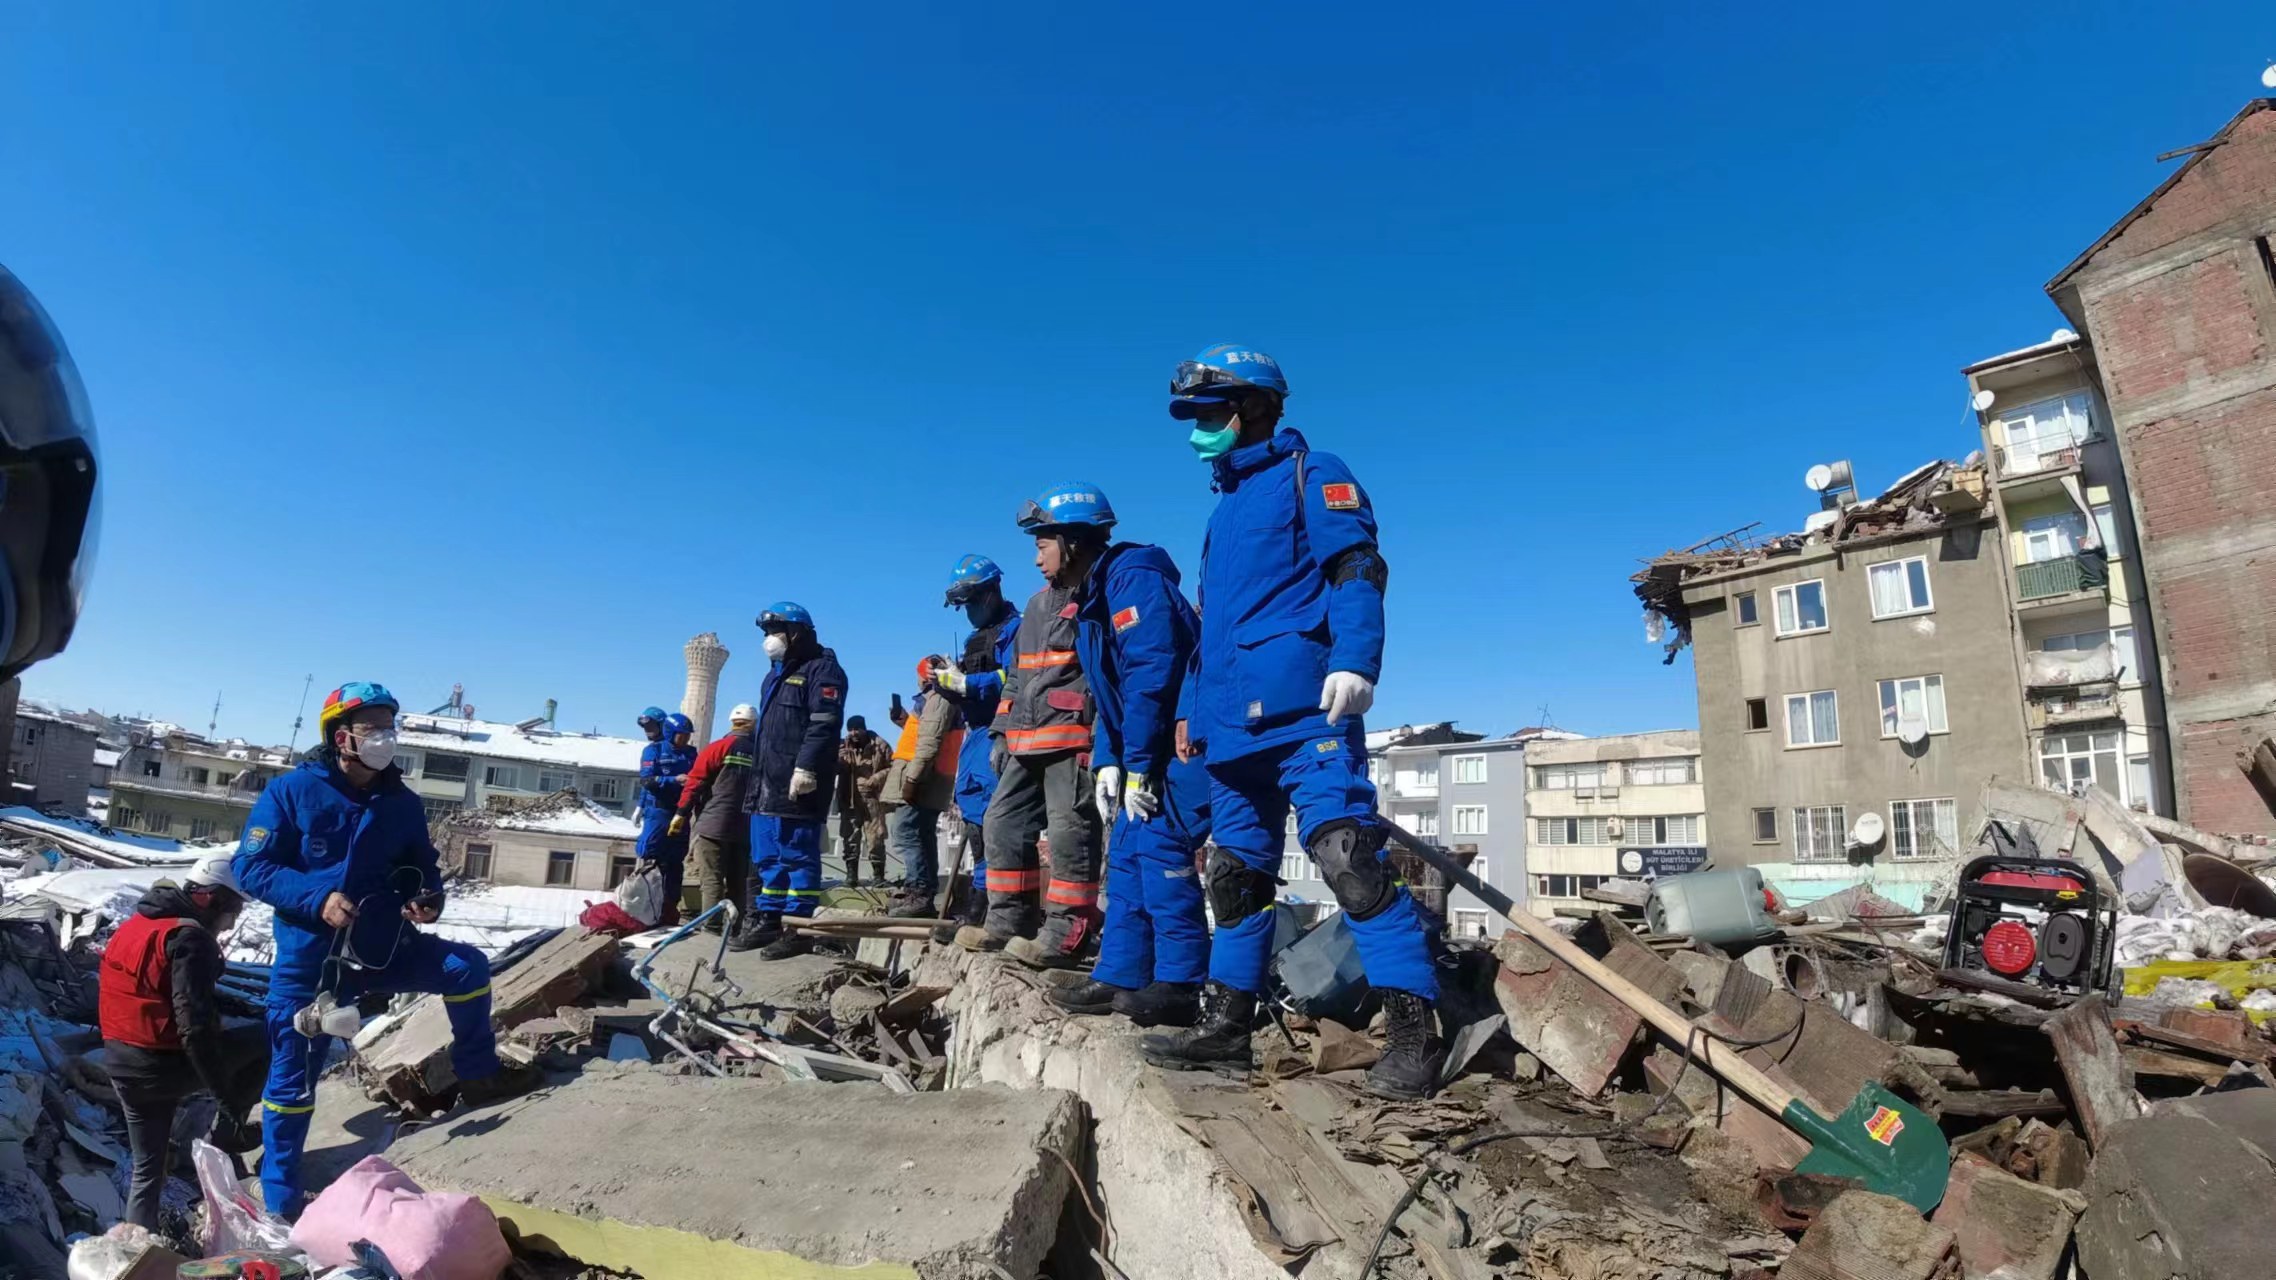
(576, 845)
(50, 761)
(455, 763)
(172, 782)
(1628, 804)
(2094, 707)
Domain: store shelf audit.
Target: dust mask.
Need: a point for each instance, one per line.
(374, 750)
(1212, 445)
(777, 646)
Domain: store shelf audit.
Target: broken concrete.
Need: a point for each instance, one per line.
(1866, 1236)
(1577, 1028)
(2180, 1194)
(408, 1062)
(2100, 1080)
(706, 1178)
(2003, 1226)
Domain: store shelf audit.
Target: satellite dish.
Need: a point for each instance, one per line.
(1818, 478)
(1868, 831)
(2063, 335)
(1614, 827)
(1984, 400)
(2268, 77)
(1912, 731)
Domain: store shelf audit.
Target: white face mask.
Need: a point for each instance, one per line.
(375, 750)
(777, 646)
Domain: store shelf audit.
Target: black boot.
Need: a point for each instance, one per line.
(974, 914)
(1161, 1004)
(1220, 1040)
(1409, 1066)
(1087, 997)
(760, 928)
(788, 945)
(911, 904)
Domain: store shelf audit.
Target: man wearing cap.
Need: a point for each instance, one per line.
(863, 759)
(802, 706)
(163, 1037)
(711, 802)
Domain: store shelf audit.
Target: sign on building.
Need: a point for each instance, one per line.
(1662, 860)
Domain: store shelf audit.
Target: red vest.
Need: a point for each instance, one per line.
(138, 986)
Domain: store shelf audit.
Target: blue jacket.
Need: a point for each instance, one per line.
(1291, 589)
(975, 762)
(1135, 640)
(312, 834)
(802, 713)
(663, 767)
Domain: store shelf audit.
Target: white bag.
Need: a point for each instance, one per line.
(641, 895)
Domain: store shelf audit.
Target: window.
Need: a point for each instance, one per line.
(1469, 924)
(505, 777)
(194, 773)
(1568, 831)
(605, 789)
(1567, 777)
(1742, 609)
(1426, 774)
(1661, 829)
(1469, 819)
(1900, 587)
(1924, 828)
(2053, 537)
(446, 768)
(1758, 715)
(223, 778)
(1661, 773)
(1479, 868)
(151, 769)
(2139, 782)
(2105, 527)
(1820, 832)
(2039, 432)
(620, 866)
(2070, 761)
(1801, 608)
(1566, 886)
(1426, 825)
(1290, 824)
(560, 868)
(1913, 698)
(122, 818)
(1295, 866)
(1812, 719)
(201, 828)
(158, 820)
(477, 862)
(439, 808)
(1468, 769)
(552, 780)
(1766, 826)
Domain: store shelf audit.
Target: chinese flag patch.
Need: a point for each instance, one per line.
(829, 693)
(1340, 497)
(1126, 619)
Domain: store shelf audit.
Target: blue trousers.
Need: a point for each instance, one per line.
(1156, 927)
(459, 973)
(1323, 779)
(786, 861)
(669, 852)
(914, 834)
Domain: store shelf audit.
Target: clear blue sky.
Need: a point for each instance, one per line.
(515, 347)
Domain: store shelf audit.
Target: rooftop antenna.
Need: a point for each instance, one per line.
(214, 723)
(305, 681)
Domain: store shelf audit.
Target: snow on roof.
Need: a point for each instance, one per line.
(586, 820)
(105, 758)
(2061, 338)
(508, 742)
(156, 851)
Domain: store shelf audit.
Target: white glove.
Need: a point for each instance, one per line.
(1346, 693)
(802, 781)
(1106, 787)
(949, 678)
(1138, 799)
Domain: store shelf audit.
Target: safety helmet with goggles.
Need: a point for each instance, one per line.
(650, 716)
(47, 484)
(1220, 378)
(1076, 507)
(971, 575)
(784, 614)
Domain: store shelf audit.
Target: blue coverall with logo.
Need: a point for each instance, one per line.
(663, 769)
(802, 712)
(975, 762)
(1291, 589)
(314, 833)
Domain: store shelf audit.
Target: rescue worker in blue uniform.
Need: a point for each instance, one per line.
(976, 681)
(1135, 640)
(339, 848)
(664, 765)
(1291, 647)
(802, 712)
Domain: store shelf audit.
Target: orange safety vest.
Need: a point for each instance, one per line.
(944, 760)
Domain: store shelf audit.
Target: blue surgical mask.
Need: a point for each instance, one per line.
(1212, 445)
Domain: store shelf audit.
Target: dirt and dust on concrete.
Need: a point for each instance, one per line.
(688, 1176)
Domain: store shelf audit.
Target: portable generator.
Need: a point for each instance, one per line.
(2035, 920)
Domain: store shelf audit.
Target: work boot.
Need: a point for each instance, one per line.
(911, 904)
(976, 937)
(788, 945)
(1409, 1066)
(1220, 1040)
(1087, 997)
(973, 913)
(760, 928)
(877, 868)
(1042, 952)
(1161, 1004)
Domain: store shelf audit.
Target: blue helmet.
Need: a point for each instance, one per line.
(1219, 374)
(675, 724)
(1074, 505)
(971, 574)
(651, 716)
(785, 613)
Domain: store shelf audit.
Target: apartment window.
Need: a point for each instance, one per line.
(620, 866)
(1924, 828)
(2128, 657)
(1820, 832)
(158, 820)
(1566, 886)
(1801, 607)
(1567, 777)
(1469, 923)
(2053, 537)
(1469, 819)
(194, 773)
(1468, 769)
(1295, 866)
(1480, 868)
(2138, 781)
(2045, 428)
(605, 789)
(446, 768)
(560, 868)
(201, 828)
(1900, 587)
(1568, 831)
(223, 778)
(1742, 608)
(552, 780)
(1661, 829)
(1426, 825)
(439, 808)
(1918, 698)
(2105, 526)
(1662, 773)
(505, 777)
(151, 769)
(477, 862)
(2069, 761)
(1812, 719)
(1766, 826)
(1426, 774)
(1758, 715)
(122, 818)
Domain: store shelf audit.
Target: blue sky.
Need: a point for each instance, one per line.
(515, 347)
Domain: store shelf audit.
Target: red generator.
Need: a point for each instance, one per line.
(2035, 920)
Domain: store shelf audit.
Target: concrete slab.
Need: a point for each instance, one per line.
(1581, 1031)
(2004, 1226)
(797, 983)
(2177, 1194)
(699, 1178)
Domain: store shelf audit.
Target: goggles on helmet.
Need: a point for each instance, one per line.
(1193, 377)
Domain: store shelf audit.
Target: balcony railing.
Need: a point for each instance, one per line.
(2016, 466)
(2043, 670)
(2068, 575)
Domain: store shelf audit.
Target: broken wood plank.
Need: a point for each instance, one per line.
(2037, 997)
(1994, 1104)
(2101, 1083)
(910, 1005)
(2239, 1050)
(2145, 1061)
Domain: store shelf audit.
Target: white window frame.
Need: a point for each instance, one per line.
(1569, 831)
(1809, 716)
(2105, 523)
(1905, 827)
(489, 857)
(2141, 782)
(566, 777)
(1570, 777)
(1903, 570)
(1426, 824)
(2076, 422)
(1646, 773)
(1294, 866)
(1811, 823)
(1892, 695)
(552, 854)
(491, 772)
(465, 767)
(1478, 868)
(1469, 922)
(2113, 786)
(1786, 607)
(2055, 536)
(1653, 831)
(1476, 813)
(1466, 765)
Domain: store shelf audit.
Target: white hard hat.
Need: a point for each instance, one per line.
(214, 873)
(744, 713)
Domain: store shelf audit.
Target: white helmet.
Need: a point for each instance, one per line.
(214, 873)
(744, 713)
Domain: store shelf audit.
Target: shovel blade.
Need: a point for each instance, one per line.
(1881, 1140)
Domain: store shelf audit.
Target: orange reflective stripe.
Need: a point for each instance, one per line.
(1015, 881)
(1004, 707)
(1073, 893)
(1047, 658)
(1054, 737)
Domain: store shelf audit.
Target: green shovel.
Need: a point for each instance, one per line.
(1886, 1143)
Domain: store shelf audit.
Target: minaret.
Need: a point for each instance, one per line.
(705, 657)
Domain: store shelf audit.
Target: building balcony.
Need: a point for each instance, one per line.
(2084, 705)
(2070, 668)
(2067, 584)
(2031, 475)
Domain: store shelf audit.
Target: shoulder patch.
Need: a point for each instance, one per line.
(256, 840)
(1327, 746)
(794, 679)
(1341, 496)
(1069, 611)
(829, 692)
(1126, 619)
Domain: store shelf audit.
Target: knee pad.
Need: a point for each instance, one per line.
(1236, 889)
(1350, 858)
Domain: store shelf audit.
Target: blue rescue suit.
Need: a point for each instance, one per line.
(663, 770)
(802, 712)
(1292, 589)
(313, 834)
(1136, 643)
(975, 761)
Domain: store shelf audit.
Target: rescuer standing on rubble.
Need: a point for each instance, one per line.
(664, 765)
(711, 801)
(922, 783)
(1291, 646)
(1135, 640)
(863, 759)
(339, 847)
(976, 681)
(802, 706)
